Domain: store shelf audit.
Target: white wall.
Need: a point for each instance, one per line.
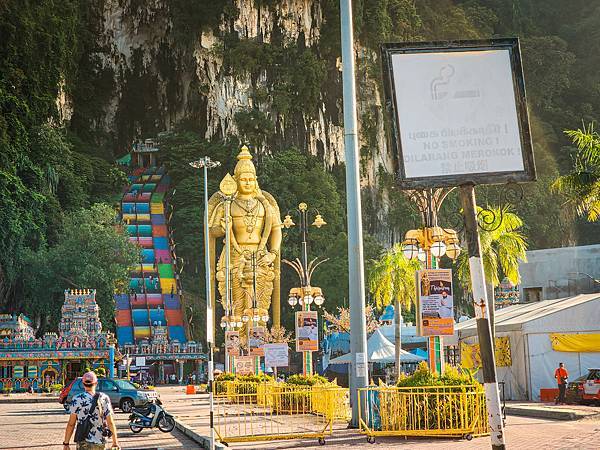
(555, 266)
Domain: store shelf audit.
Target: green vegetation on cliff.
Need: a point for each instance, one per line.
(56, 158)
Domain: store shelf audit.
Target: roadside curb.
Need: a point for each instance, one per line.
(29, 400)
(204, 441)
(547, 413)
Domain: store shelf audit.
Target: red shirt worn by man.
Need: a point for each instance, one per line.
(561, 375)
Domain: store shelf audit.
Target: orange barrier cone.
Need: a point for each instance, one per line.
(190, 389)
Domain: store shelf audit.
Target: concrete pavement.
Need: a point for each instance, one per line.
(42, 426)
(521, 432)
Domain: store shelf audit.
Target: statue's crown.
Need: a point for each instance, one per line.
(244, 163)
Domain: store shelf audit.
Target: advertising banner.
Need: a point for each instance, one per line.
(435, 302)
(276, 355)
(244, 365)
(256, 340)
(232, 343)
(307, 331)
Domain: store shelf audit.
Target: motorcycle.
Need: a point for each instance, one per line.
(151, 416)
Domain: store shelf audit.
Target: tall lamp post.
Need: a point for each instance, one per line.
(428, 244)
(306, 294)
(205, 164)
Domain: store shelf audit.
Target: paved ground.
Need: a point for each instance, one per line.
(42, 426)
(522, 433)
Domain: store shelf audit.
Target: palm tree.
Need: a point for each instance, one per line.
(502, 248)
(582, 185)
(392, 280)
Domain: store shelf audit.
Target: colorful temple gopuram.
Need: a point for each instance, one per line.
(28, 362)
(150, 317)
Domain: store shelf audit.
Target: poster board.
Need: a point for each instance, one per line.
(435, 302)
(244, 365)
(459, 112)
(276, 355)
(307, 331)
(256, 340)
(232, 343)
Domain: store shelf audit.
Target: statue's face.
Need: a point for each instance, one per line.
(247, 183)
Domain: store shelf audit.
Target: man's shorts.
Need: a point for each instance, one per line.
(90, 446)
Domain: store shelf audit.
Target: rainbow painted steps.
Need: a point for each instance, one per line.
(153, 298)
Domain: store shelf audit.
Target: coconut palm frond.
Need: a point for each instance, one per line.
(392, 277)
(582, 185)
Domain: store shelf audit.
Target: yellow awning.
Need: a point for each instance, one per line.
(575, 342)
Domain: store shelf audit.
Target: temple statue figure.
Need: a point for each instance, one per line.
(255, 242)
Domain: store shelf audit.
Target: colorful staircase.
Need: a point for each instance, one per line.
(153, 297)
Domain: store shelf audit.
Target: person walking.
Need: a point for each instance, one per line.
(96, 407)
(561, 376)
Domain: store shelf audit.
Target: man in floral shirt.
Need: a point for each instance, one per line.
(103, 414)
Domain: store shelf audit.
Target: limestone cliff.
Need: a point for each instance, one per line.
(166, 69)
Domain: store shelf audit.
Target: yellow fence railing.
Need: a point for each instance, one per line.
(423, 411)
(268, 411)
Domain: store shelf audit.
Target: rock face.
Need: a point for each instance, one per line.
(165, 72)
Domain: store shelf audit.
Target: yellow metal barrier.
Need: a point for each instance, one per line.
(423, 411)
(276, 411)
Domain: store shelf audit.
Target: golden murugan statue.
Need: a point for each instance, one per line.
(255, 242)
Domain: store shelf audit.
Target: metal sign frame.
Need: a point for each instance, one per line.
(510, 44)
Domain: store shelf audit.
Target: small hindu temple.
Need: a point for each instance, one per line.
(27, 362)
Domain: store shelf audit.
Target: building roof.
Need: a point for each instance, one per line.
(512, 318)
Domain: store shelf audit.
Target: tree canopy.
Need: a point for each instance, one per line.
(91, 251)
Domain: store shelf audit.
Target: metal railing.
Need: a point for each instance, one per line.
(246, 411)
(423, 411)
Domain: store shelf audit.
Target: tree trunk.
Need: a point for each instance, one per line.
(397, 338)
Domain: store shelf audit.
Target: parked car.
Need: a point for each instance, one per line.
(591, 387)
(122, 393)
(574, 392)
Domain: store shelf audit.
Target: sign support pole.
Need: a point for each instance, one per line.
(358, 338)
(482, 308)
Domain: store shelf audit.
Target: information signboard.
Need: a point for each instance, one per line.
(232, 343)
(307, 331)
(459, 112)
(256, 339)
(435, 306)
(276, 355)
(244, 365)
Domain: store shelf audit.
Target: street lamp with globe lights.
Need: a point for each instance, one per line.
(305, 294)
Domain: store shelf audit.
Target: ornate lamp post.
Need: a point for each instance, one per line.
(428, 244)
(306, 294)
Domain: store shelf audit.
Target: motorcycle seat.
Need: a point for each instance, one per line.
(143, 410)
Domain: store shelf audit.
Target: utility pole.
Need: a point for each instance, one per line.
(358, 325)
(482, 314)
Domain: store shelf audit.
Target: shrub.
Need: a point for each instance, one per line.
(56, 387)
(421, 377)
(424, 377)
(304, 380)
(225, 376)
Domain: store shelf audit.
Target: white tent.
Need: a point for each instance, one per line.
(379, 350)
(528, 326)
